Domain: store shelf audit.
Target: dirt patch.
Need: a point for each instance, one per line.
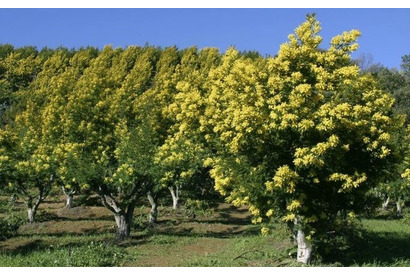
(85, 212)
(201, 229)
(18, 245)
(175, 254)
(205, 247)
(67, 227)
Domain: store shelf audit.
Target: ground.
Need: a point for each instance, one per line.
(222, 235)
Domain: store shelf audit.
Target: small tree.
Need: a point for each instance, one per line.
(181, 156)
(27, 165)
(27, 168)
(397, 83)
(404, 191)
(108, 126)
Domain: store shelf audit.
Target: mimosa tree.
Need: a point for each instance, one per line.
(301, 136)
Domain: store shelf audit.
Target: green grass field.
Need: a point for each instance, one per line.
(223, 236)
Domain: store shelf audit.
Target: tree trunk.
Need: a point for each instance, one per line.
(13, 199)
(305, 248)
(124, 222)
(123, 214)
(32, 209)
(175, 197)
(31, 215)
(386, 203)
(123, 226)
(69, 201)
(69, 196)
(154, 208)
(398, 208)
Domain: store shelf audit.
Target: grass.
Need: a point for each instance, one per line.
(90, 254)
(384, 243)
(84, 236)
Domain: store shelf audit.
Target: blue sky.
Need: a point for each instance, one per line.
(385, 32)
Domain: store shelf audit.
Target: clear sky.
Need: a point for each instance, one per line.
(385, 32)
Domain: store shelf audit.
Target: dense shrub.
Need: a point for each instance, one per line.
(9, 226)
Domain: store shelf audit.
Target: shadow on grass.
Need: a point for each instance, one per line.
(81, 233)
(132, 241)
(227, 216)
(50, 216)
(231, 221)
(369, 248)
(388, 217)
(28, 247)
(40, 245)
(91, 218)
(170, 228)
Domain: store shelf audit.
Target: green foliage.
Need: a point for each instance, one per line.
(11, 222)
(194, 208)
(405, 66)
(140, 219)
(7, 229)
(397, 83)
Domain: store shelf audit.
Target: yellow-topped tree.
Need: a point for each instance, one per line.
(301, 136)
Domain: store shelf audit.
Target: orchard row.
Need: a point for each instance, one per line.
(304, 137)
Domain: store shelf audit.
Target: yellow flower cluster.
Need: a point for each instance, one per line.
(265, 231)
(406, 174)
(294, 205)
(349, 182)
(289, 217)
(285, 178)
(305, 157)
